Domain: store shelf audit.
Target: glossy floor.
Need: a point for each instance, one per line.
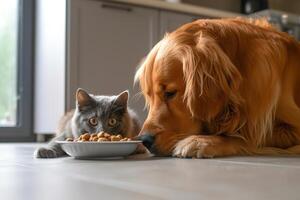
(23, 177)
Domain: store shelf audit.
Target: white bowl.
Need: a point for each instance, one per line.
(99, 149)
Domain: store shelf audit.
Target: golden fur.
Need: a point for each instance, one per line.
(237, 85)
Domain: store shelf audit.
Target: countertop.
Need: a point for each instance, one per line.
(181, 7)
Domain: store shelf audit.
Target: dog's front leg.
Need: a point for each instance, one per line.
(204, 146)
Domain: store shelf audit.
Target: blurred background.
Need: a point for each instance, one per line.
(49, 48)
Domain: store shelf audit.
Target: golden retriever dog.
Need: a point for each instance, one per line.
(223, 87)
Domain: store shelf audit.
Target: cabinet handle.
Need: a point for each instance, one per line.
(117, 7)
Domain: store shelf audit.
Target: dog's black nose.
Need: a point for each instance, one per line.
(147, 139)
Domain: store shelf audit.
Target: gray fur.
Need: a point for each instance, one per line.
(75, 123)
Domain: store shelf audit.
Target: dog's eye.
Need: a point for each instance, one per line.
(169, 95)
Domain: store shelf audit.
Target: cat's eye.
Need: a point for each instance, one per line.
(93, 121)
(112, 122)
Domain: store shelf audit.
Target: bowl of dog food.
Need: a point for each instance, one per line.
(101, 145)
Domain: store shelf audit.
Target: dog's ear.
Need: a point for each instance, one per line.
(144, 71)
(212, 82)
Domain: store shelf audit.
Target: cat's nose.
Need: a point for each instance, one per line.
(147, 139)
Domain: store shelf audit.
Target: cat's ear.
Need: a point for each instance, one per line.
(122, 98)
(83, 99)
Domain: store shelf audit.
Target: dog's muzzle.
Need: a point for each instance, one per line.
(148, 140)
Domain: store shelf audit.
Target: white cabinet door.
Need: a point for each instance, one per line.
(106, 43)
(169, 21)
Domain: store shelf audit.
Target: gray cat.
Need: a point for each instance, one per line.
(92, 115)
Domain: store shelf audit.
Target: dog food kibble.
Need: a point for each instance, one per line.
(94, 139)
(101, 134)
(86, 136)
(119, 136)
(93, 135)
(106, 135)
(98, 137)
(114, 138)
(102, 139)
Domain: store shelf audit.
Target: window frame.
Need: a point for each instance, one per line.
(23, 131)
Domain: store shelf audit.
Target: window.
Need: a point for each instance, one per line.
(16, 42)
(8, 67)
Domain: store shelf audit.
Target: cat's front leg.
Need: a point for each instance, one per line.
(53, 150)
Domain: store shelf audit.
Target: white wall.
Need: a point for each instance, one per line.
(49, 100)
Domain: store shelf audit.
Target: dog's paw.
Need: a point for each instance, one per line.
(196, 147)
(45, 153)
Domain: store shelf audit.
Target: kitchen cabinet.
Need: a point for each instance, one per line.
(169, 21)
(106, 42)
